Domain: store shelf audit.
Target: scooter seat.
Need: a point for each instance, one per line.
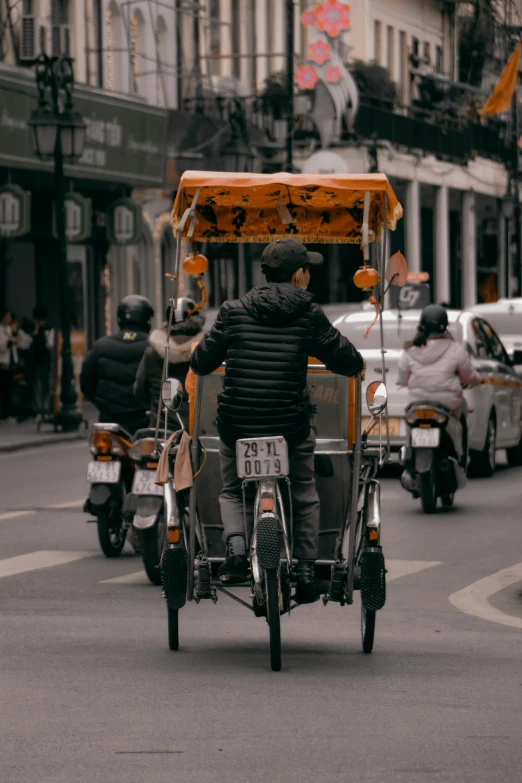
(150, 432)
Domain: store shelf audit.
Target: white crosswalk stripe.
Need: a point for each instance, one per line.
(396, 570)
(34, 561)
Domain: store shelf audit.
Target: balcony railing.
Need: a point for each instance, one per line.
(440, 135)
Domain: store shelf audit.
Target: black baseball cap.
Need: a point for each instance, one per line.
(289, 255)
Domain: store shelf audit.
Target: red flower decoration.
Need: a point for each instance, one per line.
(308, 18)
(332, 17)
(333, 74)
(319, 52)
(306, 77)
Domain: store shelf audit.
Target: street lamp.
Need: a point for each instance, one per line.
(59, 134)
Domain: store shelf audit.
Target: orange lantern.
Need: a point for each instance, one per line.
(366, 278)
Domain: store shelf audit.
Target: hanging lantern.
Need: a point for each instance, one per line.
(333, 74)
(308, 18)
(196, 265)
(319, 52)
(305, 77)
(332, 17)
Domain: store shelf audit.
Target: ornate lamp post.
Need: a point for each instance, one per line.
(58, 134)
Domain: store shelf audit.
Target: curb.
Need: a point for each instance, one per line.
(45, 440)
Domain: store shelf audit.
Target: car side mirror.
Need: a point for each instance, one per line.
(172, 394)
(376, 397)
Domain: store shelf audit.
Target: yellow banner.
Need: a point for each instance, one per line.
(501, 97)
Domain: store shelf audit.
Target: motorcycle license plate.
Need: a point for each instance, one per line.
(103, 472)
(425, 439)
(143, 483)
(262, 458)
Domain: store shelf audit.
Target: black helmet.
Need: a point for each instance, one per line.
(181, 313)
(134, 310)
(433, 320)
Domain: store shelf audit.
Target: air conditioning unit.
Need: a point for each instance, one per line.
(62, 40)
(34, 37)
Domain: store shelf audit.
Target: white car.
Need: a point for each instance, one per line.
(495, 406)
(505, 316)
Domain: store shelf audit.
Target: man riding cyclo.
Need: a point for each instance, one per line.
(265, 338)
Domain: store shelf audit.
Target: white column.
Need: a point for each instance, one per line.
(261, 38)
(469, 250)
(502, 253)
(225, 37)
(442, 245)
(412, 216)
(278, 44)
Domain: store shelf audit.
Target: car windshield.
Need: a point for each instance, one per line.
(505, 323)
(395, 333)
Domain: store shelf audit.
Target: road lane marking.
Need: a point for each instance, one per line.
(136, 578)
(34, 561)
(396, 570)
(13, 514)
(69, 504)
(473, 599)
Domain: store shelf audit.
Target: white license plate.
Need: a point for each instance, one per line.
(425, 439)
(103, 472)
(143, 483)
(262, 458)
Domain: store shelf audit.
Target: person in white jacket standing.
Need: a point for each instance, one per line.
(436, 368)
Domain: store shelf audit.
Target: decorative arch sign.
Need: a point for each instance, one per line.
(124, 222)
(78, 218)
(15, 211)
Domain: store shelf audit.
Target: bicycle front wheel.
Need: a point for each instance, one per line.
(274, 616)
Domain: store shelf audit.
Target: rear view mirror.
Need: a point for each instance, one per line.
(172, 393)
(397, 270)
(376, 397)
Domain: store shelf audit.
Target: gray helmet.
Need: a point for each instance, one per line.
(181, 313)
(134, 310)
(433, 320)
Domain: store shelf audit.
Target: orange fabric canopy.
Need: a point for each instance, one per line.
(264, 207)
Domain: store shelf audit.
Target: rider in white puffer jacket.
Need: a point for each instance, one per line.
(435, 368)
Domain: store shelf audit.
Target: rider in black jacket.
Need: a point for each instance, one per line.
(266, 338)
(110, 367)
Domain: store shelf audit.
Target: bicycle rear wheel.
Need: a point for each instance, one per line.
(274, 616)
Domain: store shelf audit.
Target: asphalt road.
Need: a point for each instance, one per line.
(90, 693)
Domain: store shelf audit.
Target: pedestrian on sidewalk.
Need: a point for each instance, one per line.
(41, 362)
(12, 338)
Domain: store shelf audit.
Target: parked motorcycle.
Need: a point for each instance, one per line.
(147, 503)
(430, 459)
(110, 474)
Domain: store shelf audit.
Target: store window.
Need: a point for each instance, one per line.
(390, 51)
(377, 34)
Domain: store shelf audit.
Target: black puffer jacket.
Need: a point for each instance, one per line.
(266, 338)
(150, 372)
(108, 375)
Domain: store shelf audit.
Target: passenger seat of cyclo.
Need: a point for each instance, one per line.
(435, 367)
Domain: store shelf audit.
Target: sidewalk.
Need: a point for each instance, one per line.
(16, 437)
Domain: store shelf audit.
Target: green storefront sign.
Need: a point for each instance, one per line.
(125, 140)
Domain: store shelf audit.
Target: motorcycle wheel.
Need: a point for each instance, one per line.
(151, 548)
(111, 536)
(428, 491)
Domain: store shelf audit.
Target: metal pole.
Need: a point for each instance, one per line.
(289, 83)
(514, 189)
(179, 55)
(68, 417)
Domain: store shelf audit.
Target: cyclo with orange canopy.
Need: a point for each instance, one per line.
(213, 207)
